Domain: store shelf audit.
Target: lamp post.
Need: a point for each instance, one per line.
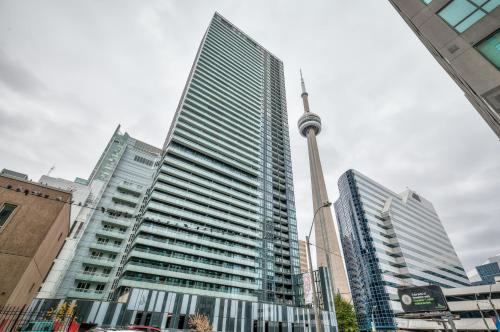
(315, 294)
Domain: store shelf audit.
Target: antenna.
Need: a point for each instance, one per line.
(303, 85)
(51, 169)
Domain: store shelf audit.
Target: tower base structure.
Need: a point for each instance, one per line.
(171, 310)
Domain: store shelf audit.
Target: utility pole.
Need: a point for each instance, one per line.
(315, 294)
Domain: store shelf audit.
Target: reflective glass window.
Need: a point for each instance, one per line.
(462, 14)
(490, 48)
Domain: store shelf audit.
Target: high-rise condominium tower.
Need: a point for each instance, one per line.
(464, 37)
(88, 263)
(220, 217)
(327, 245)
(390, 240)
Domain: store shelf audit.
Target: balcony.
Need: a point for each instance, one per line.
(198, 239)
(284, 291)
(121, 209)
(92, 277)
(99, 261)
(185, 261)
(90, 294)
(283, 261)
(252, 190)
(117, 222)
(201, 210)
(283, 280)
(111, 233)
(134, 282)
(202, 252)
(108, 247)
(131, 187)
(168, 232)
(179, 274)
(129, 199)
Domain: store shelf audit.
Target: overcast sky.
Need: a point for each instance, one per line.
(71, 71)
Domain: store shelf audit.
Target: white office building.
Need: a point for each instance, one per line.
(391, 240)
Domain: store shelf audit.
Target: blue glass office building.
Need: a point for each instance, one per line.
(220, 219)
(390, 240)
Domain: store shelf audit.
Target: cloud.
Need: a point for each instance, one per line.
(16, 77)
(70, 71)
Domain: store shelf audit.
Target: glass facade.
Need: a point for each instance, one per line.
(390, 240)
(488, 272)
(462, 14)
(490, 48)
(220, 217)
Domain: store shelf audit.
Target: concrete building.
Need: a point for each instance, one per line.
(79, 189)
(304, 267)
(34, 221)
(80, 192)
(304, 270)
(390, 240)
(464, 37)
(474, 307)
(220, 218)
(327, 244)
(486, 273)
(90, 260)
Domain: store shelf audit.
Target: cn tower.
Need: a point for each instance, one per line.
(327, 244)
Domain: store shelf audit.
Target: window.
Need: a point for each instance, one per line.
(143, 160)
(83, 285)
(462, 14)
(5, 212)
(101, 240)
(427, 1)
(90, 269)
(490, 48)
(96, 254)
(99, 287)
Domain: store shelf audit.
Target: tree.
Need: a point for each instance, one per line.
(200, 323)
(346, 317)
(64, 311)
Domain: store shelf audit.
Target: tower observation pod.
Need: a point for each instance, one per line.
(327, 244)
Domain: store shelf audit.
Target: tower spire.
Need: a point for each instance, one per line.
(325, 228)
(304, 94)
(302, 83)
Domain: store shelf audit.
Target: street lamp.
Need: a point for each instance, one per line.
(315, 294)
